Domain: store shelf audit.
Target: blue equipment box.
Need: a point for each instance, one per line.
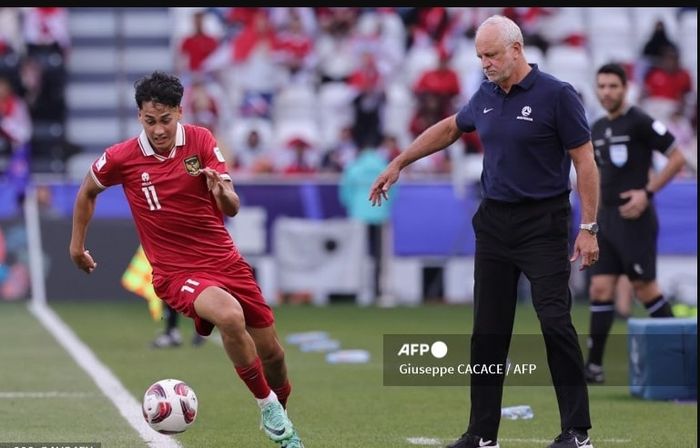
(663, 363)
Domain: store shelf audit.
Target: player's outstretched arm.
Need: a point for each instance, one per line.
(83, 210)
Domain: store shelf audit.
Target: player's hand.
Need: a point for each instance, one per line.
(380, 188)
(83, 260)
(586, 247)
(638, 202)
(215, 183)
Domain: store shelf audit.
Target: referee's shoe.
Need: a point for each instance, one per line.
(571, 439)
(471, 441)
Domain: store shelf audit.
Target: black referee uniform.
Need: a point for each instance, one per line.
(624, 148)
(522, 227)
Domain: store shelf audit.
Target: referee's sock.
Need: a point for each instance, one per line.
(659, 307)
(602, 317)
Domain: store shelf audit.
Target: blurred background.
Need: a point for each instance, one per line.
(293, 95)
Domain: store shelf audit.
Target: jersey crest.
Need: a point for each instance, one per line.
(193, 165)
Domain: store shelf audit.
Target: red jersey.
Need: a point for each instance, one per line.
(177, 219)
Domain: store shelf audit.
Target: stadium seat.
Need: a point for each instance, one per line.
(334, 109)
(295, 101)
(688, 28)
(562, 23)
(571, 64)
(419, 58)
(610, 35)
(398, 111)
(534, 55)
(468, 66)
(78, 165)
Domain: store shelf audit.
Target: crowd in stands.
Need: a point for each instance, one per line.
(34, 45)
(301, 90)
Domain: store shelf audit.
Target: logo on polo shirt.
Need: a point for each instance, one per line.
(525, 113)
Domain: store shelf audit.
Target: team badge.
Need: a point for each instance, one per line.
(192, 165)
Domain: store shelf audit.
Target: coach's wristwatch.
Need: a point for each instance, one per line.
(591, 227)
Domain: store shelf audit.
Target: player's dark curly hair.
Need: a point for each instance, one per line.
(160, 88)
(614, 69)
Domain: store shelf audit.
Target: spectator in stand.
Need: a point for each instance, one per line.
(202, 105)
(687, 141)
(667, 86)
(334, 47)
(369, 103)
(389, 148)
(654, 47)
(441, 83)
(11, 44)
(355, 181)
(196, 47)
(341, 152)
(253, 49)
(436, 90)
(45, 31)
(294, 47)
(15, 134)
(253, 155)
(303, 157)
(431, 21)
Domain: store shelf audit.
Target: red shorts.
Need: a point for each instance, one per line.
(181, 290)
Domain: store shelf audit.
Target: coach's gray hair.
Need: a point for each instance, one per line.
(510, 30)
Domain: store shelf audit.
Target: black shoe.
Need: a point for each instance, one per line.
(472, 441)
(594, 374)
(198, 340)
(572, 439)
(166, 340)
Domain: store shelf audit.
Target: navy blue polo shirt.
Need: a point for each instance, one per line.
(526, 134)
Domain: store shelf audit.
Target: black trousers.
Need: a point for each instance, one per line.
(530, 238)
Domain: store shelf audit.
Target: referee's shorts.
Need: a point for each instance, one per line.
(627, 246)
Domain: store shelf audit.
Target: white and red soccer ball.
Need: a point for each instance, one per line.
(169, 406)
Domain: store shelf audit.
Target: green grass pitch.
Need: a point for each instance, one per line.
(45, 396)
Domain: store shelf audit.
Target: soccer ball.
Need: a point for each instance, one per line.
(169, 406)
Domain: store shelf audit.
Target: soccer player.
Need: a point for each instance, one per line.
(624, 142)
(176, 183)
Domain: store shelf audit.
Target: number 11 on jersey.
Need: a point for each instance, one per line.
(151, 197)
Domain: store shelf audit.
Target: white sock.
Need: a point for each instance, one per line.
(263, 401)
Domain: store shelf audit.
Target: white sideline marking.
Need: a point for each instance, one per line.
(424, 441)
(110, 386)
(431, 441)
(49, 394)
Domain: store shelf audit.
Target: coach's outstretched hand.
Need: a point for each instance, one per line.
(380, 188)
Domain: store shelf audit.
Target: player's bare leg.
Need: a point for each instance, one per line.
(223, 310)
(272, 355)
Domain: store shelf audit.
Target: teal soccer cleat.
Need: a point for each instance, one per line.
(275, 422)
